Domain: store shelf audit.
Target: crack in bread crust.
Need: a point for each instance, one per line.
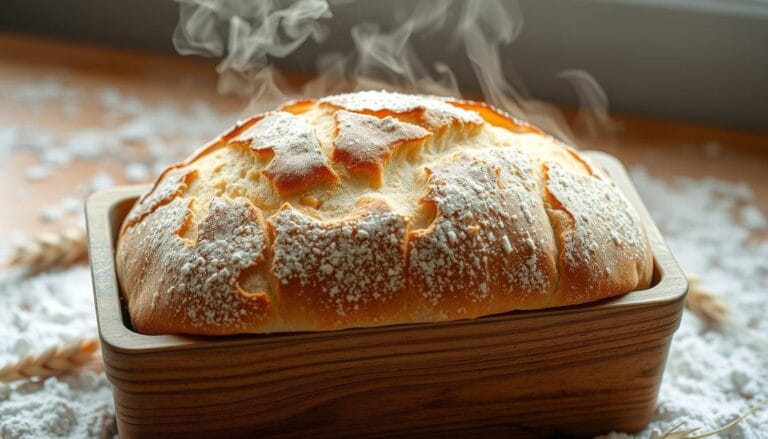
(601, 238)
(484, 214)
(349, 272)
(170, 185)
(194, 283)
(487, 240)
(365, 143)
(297, 161)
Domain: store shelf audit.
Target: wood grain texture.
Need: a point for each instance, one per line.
(567, 371)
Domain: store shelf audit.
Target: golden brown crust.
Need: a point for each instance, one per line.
(349, 272)
(296, 162)
(604, 250)
(374, 208)
(192, 285)
(383, 136)
(489, 248)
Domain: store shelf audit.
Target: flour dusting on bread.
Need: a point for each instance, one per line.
(346, 270)
(432, 111)
(483, 242)
(602, 239)
(196, 280)
(364, 143)
(297, 160)
(171, 185)
(375, 208)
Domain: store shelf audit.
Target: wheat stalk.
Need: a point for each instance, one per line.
(55, 360)
(675, 433)
(50, 249)
(712, 309)
(705, 303)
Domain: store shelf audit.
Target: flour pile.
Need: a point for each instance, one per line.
(39, 312)
(712, 226)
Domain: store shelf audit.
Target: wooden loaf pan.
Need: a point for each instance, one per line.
(577, 371)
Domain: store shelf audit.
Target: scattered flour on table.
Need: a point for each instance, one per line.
(142, 137)
(36, 313)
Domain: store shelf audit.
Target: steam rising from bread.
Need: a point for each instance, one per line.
(249, 36)
(246, 34)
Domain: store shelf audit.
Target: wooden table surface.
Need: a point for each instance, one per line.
(665, 148)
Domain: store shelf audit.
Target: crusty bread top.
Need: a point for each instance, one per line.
(374, 208)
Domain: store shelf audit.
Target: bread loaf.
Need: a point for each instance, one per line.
(374, 208)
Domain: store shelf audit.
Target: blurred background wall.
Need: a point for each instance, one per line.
(698, 60)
